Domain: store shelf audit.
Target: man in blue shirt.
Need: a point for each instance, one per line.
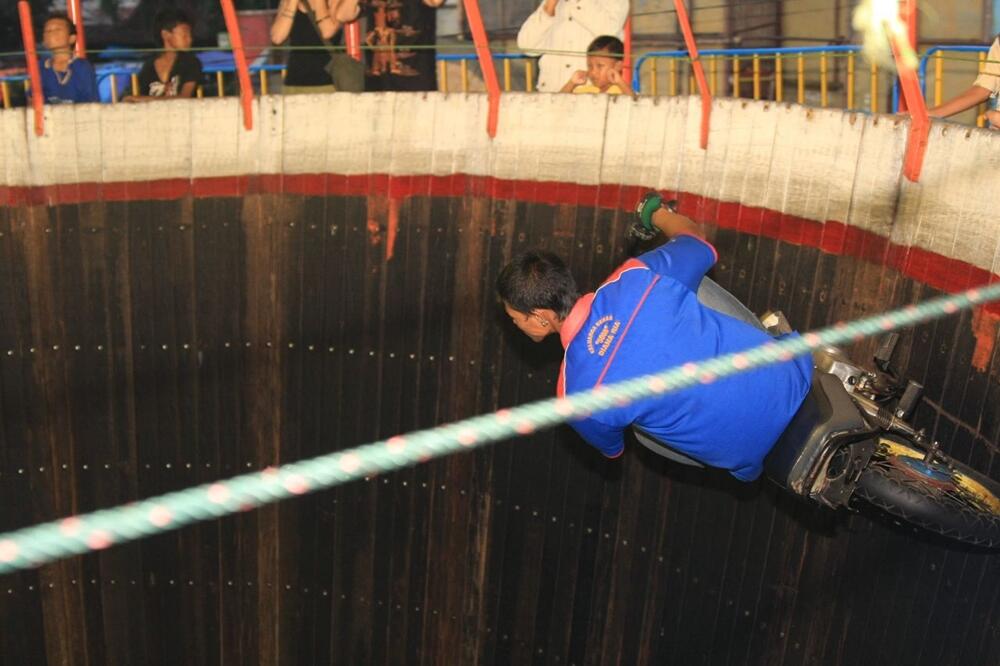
(65, 79)
(646, 318)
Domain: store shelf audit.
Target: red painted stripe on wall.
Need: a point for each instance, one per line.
(834, 237)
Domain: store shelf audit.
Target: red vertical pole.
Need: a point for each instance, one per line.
(920, 122)
(908, 15)
(352, 39)
(76, 15)
(239, 55)
(699, 70)
(627, 63)
(482, 43)
(31, 55)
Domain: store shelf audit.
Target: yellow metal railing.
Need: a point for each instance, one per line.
(765, 73)
(830, 72)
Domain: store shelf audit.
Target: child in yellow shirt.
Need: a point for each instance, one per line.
(604, 69)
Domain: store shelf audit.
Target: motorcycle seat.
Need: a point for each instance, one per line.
(826, 417)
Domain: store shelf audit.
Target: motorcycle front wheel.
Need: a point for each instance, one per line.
(947, 498)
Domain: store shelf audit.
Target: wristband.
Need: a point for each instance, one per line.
(649, 204)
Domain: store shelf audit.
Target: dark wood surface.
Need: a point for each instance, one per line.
(146, 347)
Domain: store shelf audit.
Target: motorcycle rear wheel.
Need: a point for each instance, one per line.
(951, 500)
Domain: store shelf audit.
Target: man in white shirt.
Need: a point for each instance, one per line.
(559, 27)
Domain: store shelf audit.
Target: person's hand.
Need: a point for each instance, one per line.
(993, 120)
(550, 7)
(579, 78)
(616, 79)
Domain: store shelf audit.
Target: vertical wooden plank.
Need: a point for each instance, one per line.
(52, 441)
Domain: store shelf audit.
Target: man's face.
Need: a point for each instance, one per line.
(599, 69)
(530, 324)
(179, 38)
(56, 35)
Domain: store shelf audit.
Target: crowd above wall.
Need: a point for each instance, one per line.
(400, 55)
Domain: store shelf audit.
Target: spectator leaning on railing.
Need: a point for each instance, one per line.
(66, 79)
(175, 71)
(401, 37)
(986, 86)
(316, 64)
(604, 69)
(559, 28)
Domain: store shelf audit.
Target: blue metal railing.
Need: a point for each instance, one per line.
(121, 74)
(759, 52)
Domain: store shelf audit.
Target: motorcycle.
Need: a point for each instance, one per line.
(852, 440)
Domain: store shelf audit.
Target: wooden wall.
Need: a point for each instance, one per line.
(149, 345)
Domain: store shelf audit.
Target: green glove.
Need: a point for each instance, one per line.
(648, 204)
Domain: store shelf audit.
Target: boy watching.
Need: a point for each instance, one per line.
(66, 79)
(175, 71)
(605, 57)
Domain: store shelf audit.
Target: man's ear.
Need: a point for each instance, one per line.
(72, 40)
(549, 317)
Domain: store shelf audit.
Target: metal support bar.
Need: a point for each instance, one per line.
(31, 56)
(352, 39)
(475, 19)
(240, 56)
(76, 15)
(908, 15)
(627, 61)
(920, 123)
(699, 70)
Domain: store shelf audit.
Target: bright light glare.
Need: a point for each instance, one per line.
(876, 20)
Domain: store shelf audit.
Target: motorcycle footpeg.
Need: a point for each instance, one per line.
(775, 322)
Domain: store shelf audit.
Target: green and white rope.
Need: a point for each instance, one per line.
(33, 546)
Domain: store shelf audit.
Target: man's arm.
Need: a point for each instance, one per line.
(968, 99)
(674, 224)
(534, 31)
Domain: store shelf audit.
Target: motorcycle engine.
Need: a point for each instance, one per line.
(834, 361)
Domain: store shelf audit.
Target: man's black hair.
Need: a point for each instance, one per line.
(537, 280)
(607, 45)
(61, 16)
(169, 18)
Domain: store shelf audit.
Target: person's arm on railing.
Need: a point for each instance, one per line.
(968, 99)
(986, 84)
(578, 79)
(434, 3)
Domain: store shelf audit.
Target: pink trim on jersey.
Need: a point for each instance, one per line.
(621, 337)
(581, 310)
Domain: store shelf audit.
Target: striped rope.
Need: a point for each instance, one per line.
(33, 546)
